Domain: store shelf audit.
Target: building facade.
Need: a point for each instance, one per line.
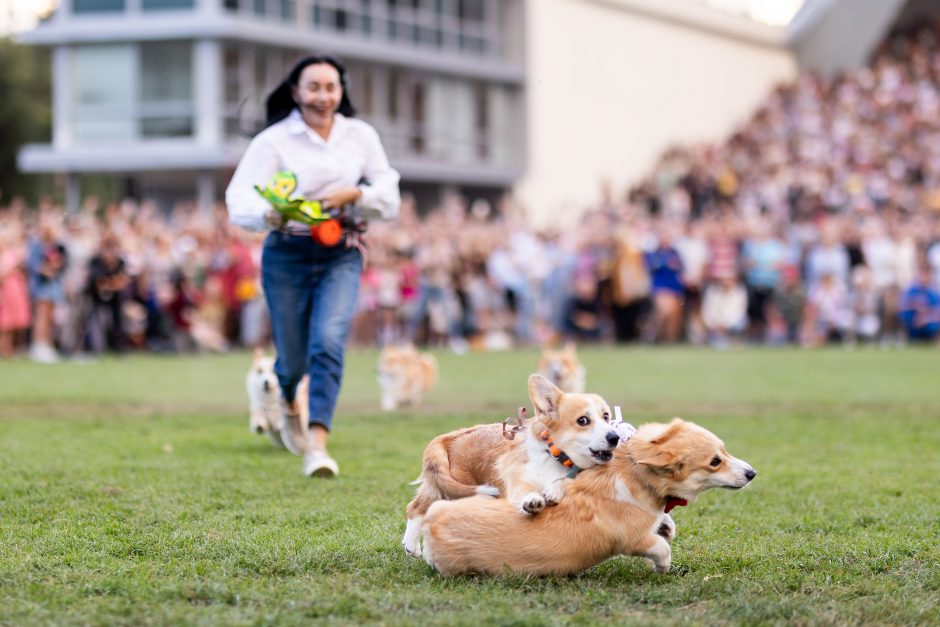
(166, 93)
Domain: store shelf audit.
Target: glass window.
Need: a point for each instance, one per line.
(166, 89)
(232, 91)
(158, 5)
(417, 118)
(103, 93)
(97, 6)
(470, 10)
(340, 19)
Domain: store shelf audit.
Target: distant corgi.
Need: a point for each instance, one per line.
(264, 395)
(405, 376)
(620, 508)
(568, 432)
(563, 368)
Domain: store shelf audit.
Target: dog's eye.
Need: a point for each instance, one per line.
(606, 417)
(716, 461)
(584, 421)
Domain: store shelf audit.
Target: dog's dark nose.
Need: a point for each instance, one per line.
(750, 473)
(267, 386)
(612, 438)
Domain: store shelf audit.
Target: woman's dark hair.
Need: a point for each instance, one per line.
(281, 102)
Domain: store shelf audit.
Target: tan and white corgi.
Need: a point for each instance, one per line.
(620, 508)
(563, 368)
(264, 395)
(405, 376)
(567, 433)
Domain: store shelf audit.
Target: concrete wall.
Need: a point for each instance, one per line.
(610, 87)
(847, 35)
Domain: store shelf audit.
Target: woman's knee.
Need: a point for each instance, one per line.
(331, 340)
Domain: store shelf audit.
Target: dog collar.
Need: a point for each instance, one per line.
(674, 501)
(560, 456)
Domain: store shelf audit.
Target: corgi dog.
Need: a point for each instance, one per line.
(568, 432)
(563, 368)
(264, 395)
(405, 376)
(620, 508)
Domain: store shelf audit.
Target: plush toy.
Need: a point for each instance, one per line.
(324, 228)
(278, 193)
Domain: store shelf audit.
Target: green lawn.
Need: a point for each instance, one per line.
(133, 493)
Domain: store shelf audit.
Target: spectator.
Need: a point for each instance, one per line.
(724, 311)
(14, 293)
(665, 267)
(47, 261)
(829, 311)
(762, 257)
(789, 305)
(630, 283)
(107, 282)
(920, 308)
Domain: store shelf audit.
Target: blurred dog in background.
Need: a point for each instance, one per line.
(264, 394)
(405, 376)
(563, 368)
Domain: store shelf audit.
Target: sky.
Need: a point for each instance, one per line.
(19, 15)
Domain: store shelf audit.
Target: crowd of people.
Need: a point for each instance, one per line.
(818, 221)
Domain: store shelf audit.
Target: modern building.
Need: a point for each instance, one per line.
(547, 98)
(165, 93)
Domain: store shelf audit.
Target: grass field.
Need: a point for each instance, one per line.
(132, 493)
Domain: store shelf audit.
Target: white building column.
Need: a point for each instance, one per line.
(208, 81)
(205, 192)
(62, 132)
(73, 193)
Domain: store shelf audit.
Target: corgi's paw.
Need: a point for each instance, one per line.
(660, 553)
(412, 538)
(413, 548)
(532, 503)
(662, 567)
(667, 528)
(553, 494)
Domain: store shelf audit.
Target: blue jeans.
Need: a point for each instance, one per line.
(311, 293)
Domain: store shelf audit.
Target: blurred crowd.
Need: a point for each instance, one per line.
(818, 221)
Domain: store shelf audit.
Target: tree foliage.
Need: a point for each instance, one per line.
(25, 114)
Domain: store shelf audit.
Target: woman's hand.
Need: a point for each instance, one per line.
(340, 197)
(274, 219)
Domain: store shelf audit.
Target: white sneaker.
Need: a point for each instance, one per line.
(43, 354)
(292, 432)
(318, 463)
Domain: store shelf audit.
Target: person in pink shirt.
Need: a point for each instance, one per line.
(14, 292)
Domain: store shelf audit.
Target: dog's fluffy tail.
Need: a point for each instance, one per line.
(435, 475)
(488, 490)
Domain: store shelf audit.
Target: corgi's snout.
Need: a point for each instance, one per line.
(749, 474)
(267, 386)
(613, 438)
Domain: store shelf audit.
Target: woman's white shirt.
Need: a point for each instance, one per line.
(352, 152)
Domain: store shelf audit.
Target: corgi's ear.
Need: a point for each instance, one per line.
(545, 396)
(658, 458)
(657, 452)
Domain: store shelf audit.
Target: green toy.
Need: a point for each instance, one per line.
(278, 193)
